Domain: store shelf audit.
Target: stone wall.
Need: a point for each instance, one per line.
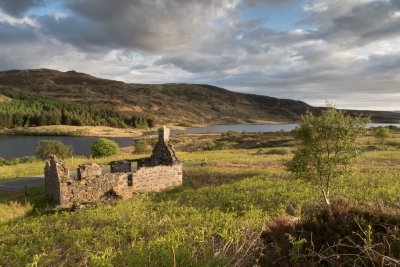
(158, 178)
(88, 189)
(55, 173)
(88, 171)
(92, 185)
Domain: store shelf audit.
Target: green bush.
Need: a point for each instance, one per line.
(231, 133)
(45, 148)
(372, 148)
(278, 151)
(141, 146)
(27, 159)
(382, 133)
(16, 161)
(104, 147)
(217, 145)
(183, 124)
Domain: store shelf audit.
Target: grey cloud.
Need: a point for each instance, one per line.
(351, 24)
(201, 64)
(80, 32)
(274, 2)
(388, 64)
(253, 23)
(153, 26)
(313, 53)
(139, 67)
(18, 7)
(389, 30)
(11, 34)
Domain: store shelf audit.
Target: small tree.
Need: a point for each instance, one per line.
(3, 161)
(141, 146)
(104, 147)
(45, 148)
(382, 133)
(327, 148)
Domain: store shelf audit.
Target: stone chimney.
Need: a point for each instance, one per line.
(163, 134)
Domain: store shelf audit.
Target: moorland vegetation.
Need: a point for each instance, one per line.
(238, 206)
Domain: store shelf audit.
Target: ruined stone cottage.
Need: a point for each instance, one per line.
(161, 171)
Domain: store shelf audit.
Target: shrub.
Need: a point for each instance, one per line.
(45, 148)
(372, 148)
(104, 147)
(217, 145)
(382, 133)
(183, 124)
(231, 133)
(27, 159)
(16, 161)
(360, 234)
(142, 146)
(3, 161)
(278, 151)
(210, 145)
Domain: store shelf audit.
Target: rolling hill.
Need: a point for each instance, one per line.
(194, 104)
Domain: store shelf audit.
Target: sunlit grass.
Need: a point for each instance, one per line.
(37, 167)
(225, 201)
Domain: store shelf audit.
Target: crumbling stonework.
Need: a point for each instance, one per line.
(163, 152)
(86, 171)
(162, 171)
(59, 174)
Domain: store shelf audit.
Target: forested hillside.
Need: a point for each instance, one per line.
(24, 109)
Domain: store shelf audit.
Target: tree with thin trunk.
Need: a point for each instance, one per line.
(327, 148)
(382, 133)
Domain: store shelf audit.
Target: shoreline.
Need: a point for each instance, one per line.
(105, 131)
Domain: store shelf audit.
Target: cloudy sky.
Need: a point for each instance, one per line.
(345, 51)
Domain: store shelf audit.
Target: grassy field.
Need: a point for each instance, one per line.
(229, 200)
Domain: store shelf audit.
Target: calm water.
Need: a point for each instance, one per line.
(20, 146)
(254, 128)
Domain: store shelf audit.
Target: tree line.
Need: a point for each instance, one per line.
(30, 109)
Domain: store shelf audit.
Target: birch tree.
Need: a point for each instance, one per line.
(327, 148)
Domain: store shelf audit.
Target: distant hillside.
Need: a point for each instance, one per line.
(166, 103)
(27, 109)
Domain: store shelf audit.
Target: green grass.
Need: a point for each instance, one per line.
(209, 157)
(37, 167)
(214, 219)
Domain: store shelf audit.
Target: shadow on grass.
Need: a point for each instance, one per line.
(196, 177)
(35, 198)
(229, 189)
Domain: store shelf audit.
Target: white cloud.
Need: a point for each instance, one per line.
(5, 18)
